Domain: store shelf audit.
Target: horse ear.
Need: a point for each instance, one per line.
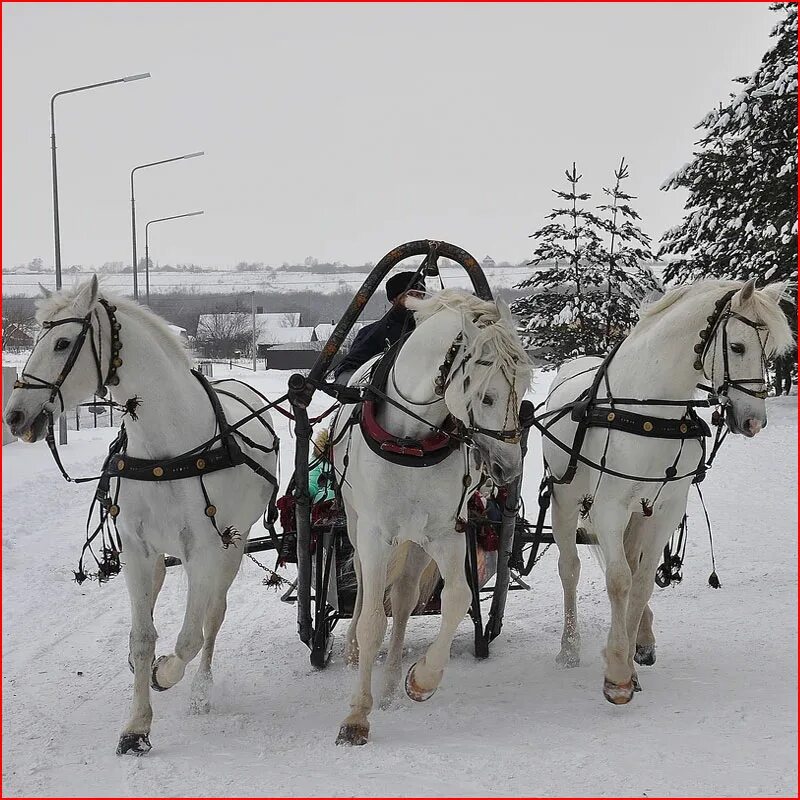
(86, 296)
(45, 292)
(505, 313)
(746, 292)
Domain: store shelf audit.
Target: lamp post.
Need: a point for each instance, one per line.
(147, 245)
(62, 420)
(133, 210)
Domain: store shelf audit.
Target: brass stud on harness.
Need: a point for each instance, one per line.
(120, 465)
(113, 510)
(703, 334)
(158, 471)
(201, 463)
(211, 511)
(611, 416)
(648, 426)
(117, 362)
(683, 427)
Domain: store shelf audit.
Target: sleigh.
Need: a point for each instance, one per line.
(502, 546)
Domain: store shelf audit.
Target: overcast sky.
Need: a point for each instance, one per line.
(339, 131)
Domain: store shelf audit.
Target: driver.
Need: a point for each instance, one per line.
(372, 340)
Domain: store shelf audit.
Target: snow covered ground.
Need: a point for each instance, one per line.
(717, 715)
(228, 282)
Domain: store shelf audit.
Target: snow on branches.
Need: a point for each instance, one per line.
(741, 214)
(590, 274)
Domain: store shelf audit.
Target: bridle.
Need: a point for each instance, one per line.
(720, 318)
(447, 374)
(30, 381)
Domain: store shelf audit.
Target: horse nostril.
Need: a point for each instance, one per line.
(14, 418)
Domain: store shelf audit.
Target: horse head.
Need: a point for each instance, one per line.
(747, 328)
(64, 367)
(488, 382)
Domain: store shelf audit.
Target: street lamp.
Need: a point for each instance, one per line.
(133, 210)
(147, 245)
(62, 420)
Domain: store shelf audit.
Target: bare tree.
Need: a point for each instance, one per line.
(221, 335)
(19, 326)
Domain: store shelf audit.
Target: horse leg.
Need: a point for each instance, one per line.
(610, 523)
(138, 572)
(449, 552)
(404, 596)
(370, 630)
(215, 614)
(158, 582)
(645, 641)
(351, 641)
(655, 531)
(565, 520)
(169, 669)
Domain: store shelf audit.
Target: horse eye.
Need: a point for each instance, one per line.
(488, 401)
(61, 344)
(737, 348)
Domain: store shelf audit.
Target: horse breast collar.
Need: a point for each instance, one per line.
(407, 452)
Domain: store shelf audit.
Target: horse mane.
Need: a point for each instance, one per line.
(47, 307)
(763, 307)
(496, 339)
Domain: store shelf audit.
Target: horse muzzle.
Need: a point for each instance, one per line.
(748, 427)
(26, 427)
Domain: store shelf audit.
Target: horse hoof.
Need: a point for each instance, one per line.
(645, 654)
(154, 684)
(618, 693)
(568, 660)
(353, 734)
(414, 691)
(637, 687)
(133, 744)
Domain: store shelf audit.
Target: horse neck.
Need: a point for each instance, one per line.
(415, 371)
(657, 360)
(174, 413)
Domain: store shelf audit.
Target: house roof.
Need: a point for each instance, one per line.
(273, 336)
(297, 346)
(325, 329)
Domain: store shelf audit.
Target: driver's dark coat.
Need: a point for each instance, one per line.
(371, 340)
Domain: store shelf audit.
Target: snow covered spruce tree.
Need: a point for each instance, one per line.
(626, 271)
(741, 214)
(555, 316)
(589, 275)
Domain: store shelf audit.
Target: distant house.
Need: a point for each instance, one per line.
(181, 333)
(488, 262)
(270, 337)
(16, 336)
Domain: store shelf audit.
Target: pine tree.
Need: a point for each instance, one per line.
(591, 277)
(628, 277)
(554, 315)
(741, 218)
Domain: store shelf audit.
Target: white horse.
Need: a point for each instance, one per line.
(414, 512)
(174, 415)
(663, 358)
